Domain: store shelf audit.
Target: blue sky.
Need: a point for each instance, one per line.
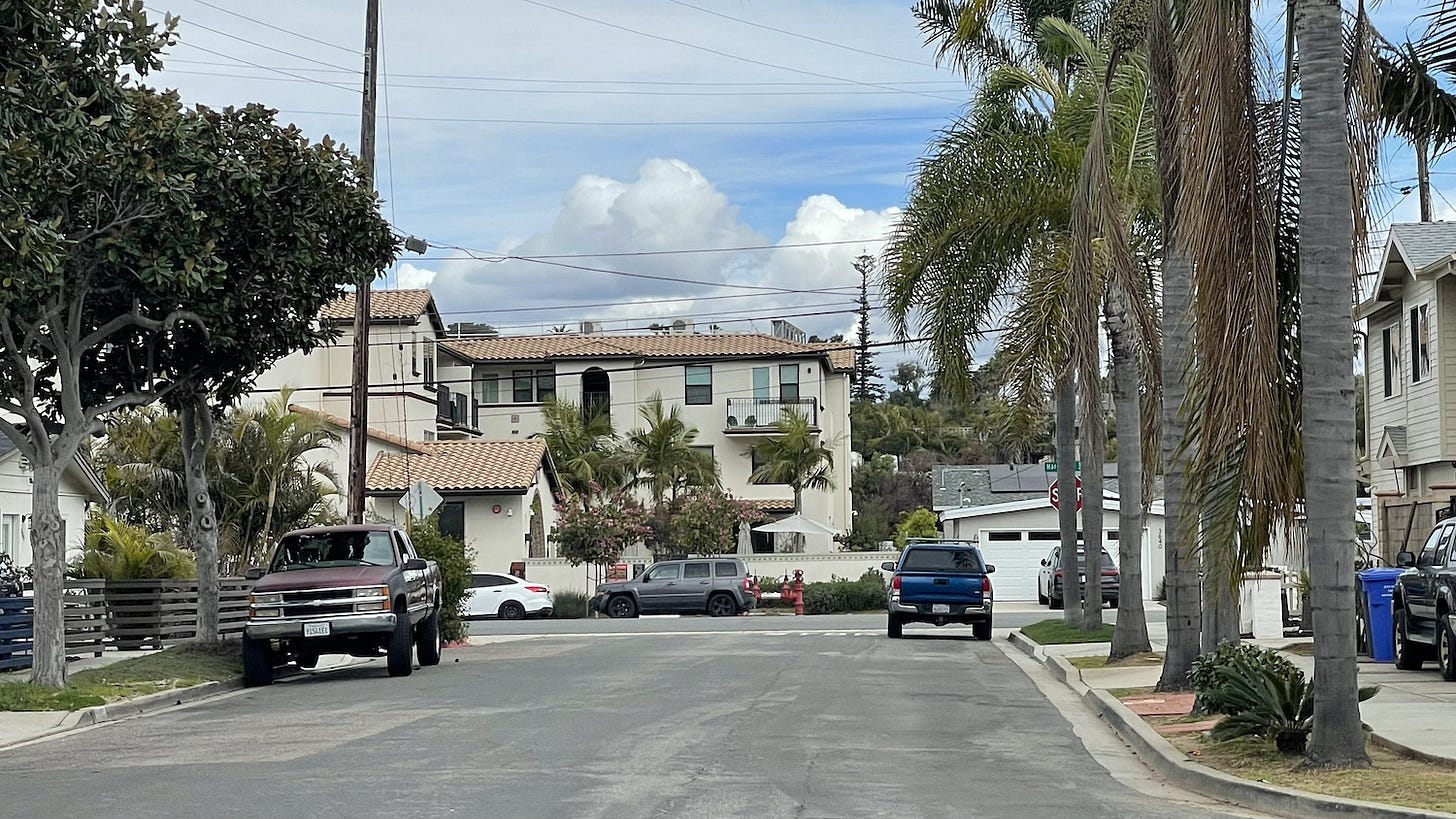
(460, 165)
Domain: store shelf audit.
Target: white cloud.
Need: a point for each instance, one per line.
(410, 277)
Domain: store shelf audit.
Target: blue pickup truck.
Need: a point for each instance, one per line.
(940, 581)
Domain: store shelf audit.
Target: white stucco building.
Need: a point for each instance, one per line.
(80, 488)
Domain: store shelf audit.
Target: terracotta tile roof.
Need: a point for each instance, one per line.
(343, 423)
(460, 466)
(786, 505)
(841, 354)
(672, 345)
(384, 305)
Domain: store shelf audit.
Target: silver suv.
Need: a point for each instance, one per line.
(720, 586)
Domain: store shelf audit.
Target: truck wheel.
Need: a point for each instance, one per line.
(257, 662)
(1407, 654)
(1446, 648)
(427, 640)
(511, 610)
(401, 646)
(722, 605)
(622, 606)
(896, 627)
(982, 630)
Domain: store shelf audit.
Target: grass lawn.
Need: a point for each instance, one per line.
(176, 667)
(1395, 779)
(1057, 632)
(1134, 691)
(1135, 661)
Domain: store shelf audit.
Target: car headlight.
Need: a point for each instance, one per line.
(372, 591)
(265, 600)
(266, 613)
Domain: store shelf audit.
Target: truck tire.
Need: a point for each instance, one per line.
(427, 640)
(1408, 654)
(622, 605)
(1446, 648)
(982, 630)
(722, 605)
(401, 646)
(257, 662)
(896, 627)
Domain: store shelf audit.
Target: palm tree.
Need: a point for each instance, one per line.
(796, 457)
(1326, 235)
(664, 460)
(586, 451)
(140, 462)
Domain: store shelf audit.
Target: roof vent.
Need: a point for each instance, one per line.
(786, 331)
(586, 328)
(682, 325)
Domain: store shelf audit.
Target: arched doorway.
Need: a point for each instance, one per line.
(596, 393)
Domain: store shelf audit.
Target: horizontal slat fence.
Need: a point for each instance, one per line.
(122, 614)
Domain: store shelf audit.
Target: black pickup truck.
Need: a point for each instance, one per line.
(1423, 602)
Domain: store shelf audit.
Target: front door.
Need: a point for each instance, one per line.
(452, 520)
(696, 583)
(659, 587)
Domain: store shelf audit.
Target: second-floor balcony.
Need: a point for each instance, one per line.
(761, 416)
(457, 410)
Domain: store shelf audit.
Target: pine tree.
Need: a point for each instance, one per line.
(867, 386)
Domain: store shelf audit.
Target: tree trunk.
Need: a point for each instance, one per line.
(1066, 399)
(1326, 244)
(196, 429)
(1131, 634)
(48, 542)
(1180, 579)
(268, 517)
(1094, 444)
(1220, 608)
(1423, 176)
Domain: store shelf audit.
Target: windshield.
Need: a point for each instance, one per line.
(332, 549)
(1106, 560)
(954, 561)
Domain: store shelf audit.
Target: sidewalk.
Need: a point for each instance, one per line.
(1413, 710)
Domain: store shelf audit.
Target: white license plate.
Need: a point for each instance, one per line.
(940, 608)
(315, 629)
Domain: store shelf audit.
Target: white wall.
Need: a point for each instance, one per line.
(15, 508)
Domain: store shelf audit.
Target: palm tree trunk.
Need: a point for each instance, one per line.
(48, 540)
(1423, 176)
(798, 540)
(1131, 635)
(267, 533)
(1220, 607)
(196, 429)
(1326, 239)
(1066, 400)
(1094, 443)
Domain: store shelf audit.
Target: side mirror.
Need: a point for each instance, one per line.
(990, 568)
(1405, 560)
(887, 566)
(1044, 562)
(416, 564)
(645, 578)
(253, 573)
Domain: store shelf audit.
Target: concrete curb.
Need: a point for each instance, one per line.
(1405, 750)
(133, 707)
(1170, 763)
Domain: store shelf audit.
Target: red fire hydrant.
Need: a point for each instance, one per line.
(794, 591)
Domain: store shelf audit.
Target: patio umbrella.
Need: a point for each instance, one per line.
(798, 525)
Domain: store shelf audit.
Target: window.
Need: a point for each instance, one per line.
(698, 384)
(1003, 536)
(757, 461)
(10, 535)
(760, 384)
(1428, 552)
(452, 520)
(487, 389)
(1420, 344)
(661, 573)
(695, 571)
(522, 386)
(788, 382)
(1390, 341)
(427, 358)
(726, 569)
(483, 581)
(705, 451)
(951, 561)
(545, 385)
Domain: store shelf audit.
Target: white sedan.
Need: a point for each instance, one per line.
(507, 597)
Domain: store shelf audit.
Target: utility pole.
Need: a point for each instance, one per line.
(359, 397)
(1423, 177)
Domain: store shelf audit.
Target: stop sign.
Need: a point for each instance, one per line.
(1053, 496)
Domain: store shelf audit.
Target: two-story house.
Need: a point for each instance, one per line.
(732, 388)
(1410, 383)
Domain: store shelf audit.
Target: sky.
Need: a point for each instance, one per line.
(611, 135)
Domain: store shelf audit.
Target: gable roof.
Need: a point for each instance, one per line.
(387, 306)
(81, 466)
(1424, 244)
(461, 466)
(343, 423)
(671, 345)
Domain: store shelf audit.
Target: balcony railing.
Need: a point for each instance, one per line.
(763, 414)
(457, 409)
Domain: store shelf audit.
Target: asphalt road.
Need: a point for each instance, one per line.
(842, 723)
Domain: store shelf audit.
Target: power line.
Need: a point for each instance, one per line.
(280, 29)
(831, 291)
(277, 71)
(267, 47)
(633, 124)
(709, 50)
(649, 276)
(633, 253)
(800, 36)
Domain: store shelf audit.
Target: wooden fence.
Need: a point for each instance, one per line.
(124, 614)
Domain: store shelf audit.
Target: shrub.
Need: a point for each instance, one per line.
(1262, 700)
(570, 605)
(115, 550)
(599, 528)
(1211, 672)
(840, 595)
(456, 562)
(705, 521)
(920, 523)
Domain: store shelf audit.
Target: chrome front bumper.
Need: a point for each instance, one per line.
(338, 624)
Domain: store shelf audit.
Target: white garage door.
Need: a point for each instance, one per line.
(1017, 563)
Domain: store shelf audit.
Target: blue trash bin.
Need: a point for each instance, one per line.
(1379, 585)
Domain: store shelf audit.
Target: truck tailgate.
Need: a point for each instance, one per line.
(930, 588)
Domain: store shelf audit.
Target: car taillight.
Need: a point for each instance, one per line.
(748, 584)
(537, 589)
(1057, 573)
(985, 585)
(895, 582)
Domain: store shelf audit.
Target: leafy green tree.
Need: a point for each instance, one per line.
(795, 457)
(600, 529)
(867, 386)
(456, 562)
(921, 523)
(706, 520)
(116, 550)
(663, 453)
(586, 451)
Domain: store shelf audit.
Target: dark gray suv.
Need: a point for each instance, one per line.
(720, 586)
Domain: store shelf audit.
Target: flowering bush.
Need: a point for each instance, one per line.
(11, 578)
(705, 521)
(598, 527)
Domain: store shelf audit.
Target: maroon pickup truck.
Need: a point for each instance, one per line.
(356, 590)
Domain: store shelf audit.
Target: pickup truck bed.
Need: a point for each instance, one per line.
(940, 582)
